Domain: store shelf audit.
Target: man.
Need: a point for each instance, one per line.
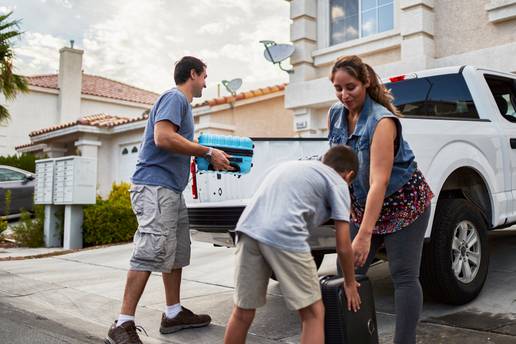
(162, 241)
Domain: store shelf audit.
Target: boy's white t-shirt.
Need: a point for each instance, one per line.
(295, 198)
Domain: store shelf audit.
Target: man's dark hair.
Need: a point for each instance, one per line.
(341, 158)
(184, 66)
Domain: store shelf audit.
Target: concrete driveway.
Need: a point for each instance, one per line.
(82, 292)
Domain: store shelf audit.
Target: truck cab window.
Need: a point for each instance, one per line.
(504, 93)
(440, 97)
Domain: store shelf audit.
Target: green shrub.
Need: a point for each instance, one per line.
(25, 161)
(110, 221)
(29, 232)
(120, 194)
(3, 227)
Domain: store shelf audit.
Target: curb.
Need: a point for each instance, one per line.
(59, 253)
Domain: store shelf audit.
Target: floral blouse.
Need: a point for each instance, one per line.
(399, 209)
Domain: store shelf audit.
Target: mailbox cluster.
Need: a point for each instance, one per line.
(66, 181)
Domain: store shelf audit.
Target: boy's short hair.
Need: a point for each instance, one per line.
(341, 158)
(184, 66)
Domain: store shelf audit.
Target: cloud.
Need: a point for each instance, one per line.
(39, 54)
(7, 9)
(64, 3)
(207, 7)
(220, 27)
(213, 28)
(130, 46)
(138, 42)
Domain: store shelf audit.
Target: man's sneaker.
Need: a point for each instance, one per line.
(185, 319)
(124, 334)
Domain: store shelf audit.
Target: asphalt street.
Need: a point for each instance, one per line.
(22, 327)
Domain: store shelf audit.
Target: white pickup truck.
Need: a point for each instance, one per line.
(461, 124)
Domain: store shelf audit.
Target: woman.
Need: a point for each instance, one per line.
(390, 197)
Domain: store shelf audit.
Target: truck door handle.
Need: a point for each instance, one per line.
(513, 143)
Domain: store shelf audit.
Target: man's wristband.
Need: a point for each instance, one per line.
(208, 154)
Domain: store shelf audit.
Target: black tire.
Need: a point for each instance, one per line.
(318, 258)
(440, 281)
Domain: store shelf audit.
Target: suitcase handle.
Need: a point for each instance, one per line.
(370, 326)
(235, 166)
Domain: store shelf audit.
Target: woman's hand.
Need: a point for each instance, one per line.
(352, 296)
(361, 246)
(353, 215)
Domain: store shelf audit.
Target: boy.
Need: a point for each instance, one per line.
(294, 198)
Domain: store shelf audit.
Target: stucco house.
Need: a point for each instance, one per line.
(395, 37)
(67, 96)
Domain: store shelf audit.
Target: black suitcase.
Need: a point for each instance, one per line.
(347, 327)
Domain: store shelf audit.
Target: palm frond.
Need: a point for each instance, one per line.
(6, 24)
(10, 83)
(4, 115)
(5, 16)
(5, 36)
(21, 83)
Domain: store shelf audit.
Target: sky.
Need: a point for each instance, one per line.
(137, 42)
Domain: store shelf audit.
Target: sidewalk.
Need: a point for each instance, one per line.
(18, 253)
(83, 291)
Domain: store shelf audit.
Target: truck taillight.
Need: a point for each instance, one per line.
(397, 78)
(193, 170)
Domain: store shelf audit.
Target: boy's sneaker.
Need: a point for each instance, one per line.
(185, 319)
(124, 334)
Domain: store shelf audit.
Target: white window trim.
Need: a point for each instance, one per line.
(323, 26)
(501, 10)
(362, 46)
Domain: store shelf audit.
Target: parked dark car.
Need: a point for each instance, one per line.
(21, 184)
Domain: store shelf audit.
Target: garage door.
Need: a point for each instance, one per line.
(128, 156)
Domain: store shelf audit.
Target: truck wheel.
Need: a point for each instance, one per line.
(455, 262)
(318, 258)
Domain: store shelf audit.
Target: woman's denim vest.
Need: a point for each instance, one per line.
(360, 141)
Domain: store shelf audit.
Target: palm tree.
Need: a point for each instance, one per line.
(10, 83)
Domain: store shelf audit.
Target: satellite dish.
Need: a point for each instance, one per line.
(233, 85)
(276, 53)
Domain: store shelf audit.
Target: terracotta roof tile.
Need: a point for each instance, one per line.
(242, 95)
(25, 145)
(99, 120)
(101, 87)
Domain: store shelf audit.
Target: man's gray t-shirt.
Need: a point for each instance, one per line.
(161, 167)
(294, 199)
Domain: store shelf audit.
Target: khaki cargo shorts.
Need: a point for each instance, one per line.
(162, 241)
(295, 271)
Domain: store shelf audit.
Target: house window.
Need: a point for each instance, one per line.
(352, 19)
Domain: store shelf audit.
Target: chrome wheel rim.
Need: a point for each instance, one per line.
(466, 252)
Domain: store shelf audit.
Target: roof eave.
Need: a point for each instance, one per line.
(32, 148)
(78, 128)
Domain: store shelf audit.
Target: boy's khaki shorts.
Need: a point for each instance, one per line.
(295, 271)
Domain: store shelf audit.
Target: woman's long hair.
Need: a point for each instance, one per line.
(366, 74)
